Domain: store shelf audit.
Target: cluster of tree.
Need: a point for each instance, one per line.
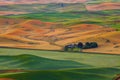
(80, 45)
(90, 45)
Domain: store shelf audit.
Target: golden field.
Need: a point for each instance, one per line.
(35, 34)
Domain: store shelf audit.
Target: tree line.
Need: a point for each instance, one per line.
(79, 46)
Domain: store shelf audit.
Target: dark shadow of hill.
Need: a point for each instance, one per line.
(56, 75)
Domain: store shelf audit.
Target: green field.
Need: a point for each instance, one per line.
(80, 74)
(66, 15)
(31, 62)
(56, 65)
(53, 65)
(105, 18)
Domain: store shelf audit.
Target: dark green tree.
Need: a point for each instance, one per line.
(93, 45)
(87, 45)
(80, 45)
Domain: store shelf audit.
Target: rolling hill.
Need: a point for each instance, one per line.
(85, 58)
(41, 29)
(104, 6)
(37, 8)
(52, 26)
(36, 34)
(57, 65)
(31, 62)
(57, 7)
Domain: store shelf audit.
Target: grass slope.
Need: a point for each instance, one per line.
(72, 66)
(31, 62)
(96, 60)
